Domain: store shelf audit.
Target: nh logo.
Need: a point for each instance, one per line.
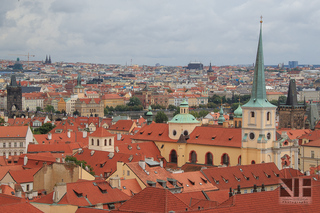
(295, 191)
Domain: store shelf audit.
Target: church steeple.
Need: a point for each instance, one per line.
(258, 92)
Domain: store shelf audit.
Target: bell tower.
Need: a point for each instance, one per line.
(14, 96)
(258, 117)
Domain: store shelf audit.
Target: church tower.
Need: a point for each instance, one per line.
(79, 89)
(258, 118)
(14, 96)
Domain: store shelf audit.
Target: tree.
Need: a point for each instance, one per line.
(38, 109)
(1, 121)
(161, 117)
(282, 99)
(195, 114)
(76, 113)
(170, 91)
(172, 107)
(134, 101)
(203, 113)
(44, 129)
(49, 108)
(177, 111)
(82, 163)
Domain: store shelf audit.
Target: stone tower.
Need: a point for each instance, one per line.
(291, 114)
(14, 96)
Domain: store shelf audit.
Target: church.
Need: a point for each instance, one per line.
(183, 140)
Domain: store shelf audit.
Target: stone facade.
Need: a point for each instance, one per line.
(14, 96)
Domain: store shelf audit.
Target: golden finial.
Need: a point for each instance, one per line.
(261, 19)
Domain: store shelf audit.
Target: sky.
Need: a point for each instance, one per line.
(168, 32)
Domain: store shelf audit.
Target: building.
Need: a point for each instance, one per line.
(293, 64)
(112, 100)
(14, 140)
(90, 107)
(195, 66)
(291, 114)
(14, 96)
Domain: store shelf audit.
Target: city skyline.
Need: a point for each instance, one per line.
(164, 32)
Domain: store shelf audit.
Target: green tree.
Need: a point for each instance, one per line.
(49, 108)
(274, 102)
(80, 163)
(134, 101)
(44, 129)
(38, 109)
(234, 106)
(194, 113)
(172, 107)
(1, 121)
(211, 105)
(170, 91)
(161, 117)
(203, 113)
(177, 111)
(282, 99)
(76, 113)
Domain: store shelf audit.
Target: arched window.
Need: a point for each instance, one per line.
(225, 160)
(174, 132)
(185, 132)
(239, 124)
(105, 142)
(98, 142)
(252, 114)
(110, 142)
(268, 116)
(239, 160)
(253, 162)
(92, 142)
(209, 158)
(173, 156)
(193, 157)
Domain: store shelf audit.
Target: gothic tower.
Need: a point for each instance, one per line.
(14, 96)
(258, 117)
(291, 114)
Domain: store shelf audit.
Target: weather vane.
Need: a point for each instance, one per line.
(261, 19)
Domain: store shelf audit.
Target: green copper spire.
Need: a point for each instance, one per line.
(258, 93)
(221, 118)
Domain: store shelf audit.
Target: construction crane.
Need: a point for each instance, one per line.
(29, 55)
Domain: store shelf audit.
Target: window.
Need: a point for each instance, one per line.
(312, 154)
(4, 145)
(173, 156)
(209, 158)
(110, 142)
(15, 144)
(185, 132)
(105, 142)
(28, 187)
(174, 132)
(251, 135)
(252, 114)
(128, 173)
(21, 144)
(9, 153)
(92, 142)
(98, 142)
(225, 159)
(268, 116)
(9, 145)
(193, 157)
(269, 136)
(245, 191)
(253, 162)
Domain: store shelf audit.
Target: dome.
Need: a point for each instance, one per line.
(184, 118)
(149, 112)
(238, 112)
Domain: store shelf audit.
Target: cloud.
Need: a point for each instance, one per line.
(168, 32)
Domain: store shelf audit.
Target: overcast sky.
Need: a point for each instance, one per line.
(169, 32)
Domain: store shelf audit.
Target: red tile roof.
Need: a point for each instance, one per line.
(230, 137)
(154, 200)
(13, 131)
(23, 176)
(101, 132)
(154, 132)
(244, 175)
(122, 125)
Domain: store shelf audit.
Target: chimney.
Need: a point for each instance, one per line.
(18, 193)
(118, 136)
(263, 188)
(254, 188)
(230, 192)
(59, 190)
(161, 163)
(142, 164)
(69, 134)
(85, 134)
(14, 117)
(49, 136)
(238, 190)
(115, 182)
(25, 160)
(6, 119)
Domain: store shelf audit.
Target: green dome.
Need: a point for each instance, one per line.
(149, 113)
(238, 112)
(184, 118)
